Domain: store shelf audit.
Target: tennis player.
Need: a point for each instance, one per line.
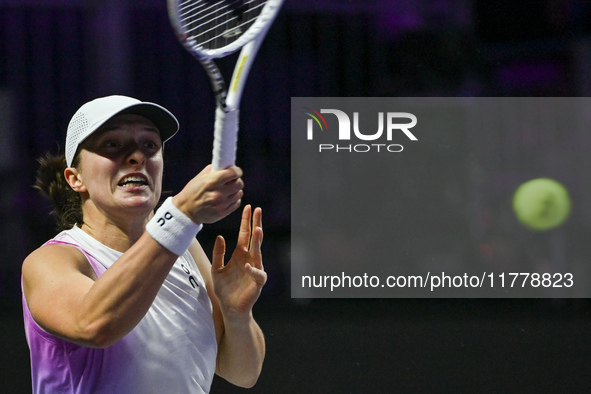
(125, 300)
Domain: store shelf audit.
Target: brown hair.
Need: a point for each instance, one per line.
(50, 181)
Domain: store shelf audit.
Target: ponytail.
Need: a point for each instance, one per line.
(50, 181)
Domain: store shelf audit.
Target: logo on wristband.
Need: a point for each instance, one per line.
(162, 220)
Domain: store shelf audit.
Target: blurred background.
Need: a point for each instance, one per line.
(57, 54)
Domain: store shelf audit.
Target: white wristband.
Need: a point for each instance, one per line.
(172, 229)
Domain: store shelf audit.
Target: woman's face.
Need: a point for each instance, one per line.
(121, 164)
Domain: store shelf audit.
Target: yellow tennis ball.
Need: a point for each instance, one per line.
(541, 204)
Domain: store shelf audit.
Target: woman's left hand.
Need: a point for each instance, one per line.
(238, 283)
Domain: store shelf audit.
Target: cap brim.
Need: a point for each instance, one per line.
(165, 121)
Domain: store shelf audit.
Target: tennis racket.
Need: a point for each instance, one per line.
(212, 29)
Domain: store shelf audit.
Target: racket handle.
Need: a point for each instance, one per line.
(225, 138)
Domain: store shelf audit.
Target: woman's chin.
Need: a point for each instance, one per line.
(139, 202)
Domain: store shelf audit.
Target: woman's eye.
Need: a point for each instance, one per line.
(111, 145)
(152, 145)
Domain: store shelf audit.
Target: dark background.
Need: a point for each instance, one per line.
(56, 55)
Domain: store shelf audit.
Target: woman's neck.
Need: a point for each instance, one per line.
(118, 233)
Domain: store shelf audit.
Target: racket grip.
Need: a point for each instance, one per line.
(225, 138)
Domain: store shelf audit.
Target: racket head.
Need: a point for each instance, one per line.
(216, 28)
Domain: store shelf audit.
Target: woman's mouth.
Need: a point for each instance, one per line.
(133, 181)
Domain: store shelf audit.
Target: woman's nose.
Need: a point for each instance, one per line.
(136, 156)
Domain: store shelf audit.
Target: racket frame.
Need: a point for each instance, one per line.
(227, 98)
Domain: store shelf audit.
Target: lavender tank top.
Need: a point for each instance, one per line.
(172, 350)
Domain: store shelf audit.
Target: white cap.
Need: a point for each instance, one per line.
(95, 113)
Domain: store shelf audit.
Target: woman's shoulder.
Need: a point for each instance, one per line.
(56, 256)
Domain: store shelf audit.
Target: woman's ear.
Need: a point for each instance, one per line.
(74, 179)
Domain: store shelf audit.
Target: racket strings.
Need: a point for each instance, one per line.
(215, 24)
